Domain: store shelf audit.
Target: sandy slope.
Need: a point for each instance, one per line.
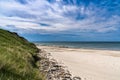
(88, 64)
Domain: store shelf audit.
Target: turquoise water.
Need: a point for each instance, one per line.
(84, 45)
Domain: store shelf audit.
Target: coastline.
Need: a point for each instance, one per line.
(111, 46)
(87, 63)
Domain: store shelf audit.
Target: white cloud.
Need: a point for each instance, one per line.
(42, 11)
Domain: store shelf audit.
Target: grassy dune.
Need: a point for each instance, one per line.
(17, 58)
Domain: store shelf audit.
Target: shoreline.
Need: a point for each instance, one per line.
(87, 63)
(61, 46)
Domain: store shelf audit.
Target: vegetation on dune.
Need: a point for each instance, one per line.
(17, 58)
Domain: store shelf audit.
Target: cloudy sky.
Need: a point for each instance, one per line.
(62, 20)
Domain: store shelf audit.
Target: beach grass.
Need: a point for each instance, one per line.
(17, 58)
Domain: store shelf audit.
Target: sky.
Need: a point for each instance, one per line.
(62, 20)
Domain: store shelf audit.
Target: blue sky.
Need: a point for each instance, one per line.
(62, 20)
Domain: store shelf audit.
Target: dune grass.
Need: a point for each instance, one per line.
(16, 58)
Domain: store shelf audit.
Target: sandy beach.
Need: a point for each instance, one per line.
(88, 64)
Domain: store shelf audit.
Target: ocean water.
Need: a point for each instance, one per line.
(84, 45)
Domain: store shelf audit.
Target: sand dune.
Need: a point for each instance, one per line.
(88, 64)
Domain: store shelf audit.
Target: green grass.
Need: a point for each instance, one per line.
(17, 58)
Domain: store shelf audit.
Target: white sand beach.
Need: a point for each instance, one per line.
(88, 64)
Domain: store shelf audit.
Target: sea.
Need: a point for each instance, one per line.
(83, 45)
